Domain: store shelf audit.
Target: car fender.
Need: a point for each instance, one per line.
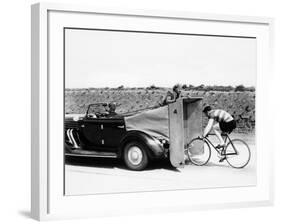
(155, 149)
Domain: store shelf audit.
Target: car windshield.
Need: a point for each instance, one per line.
(97, 109)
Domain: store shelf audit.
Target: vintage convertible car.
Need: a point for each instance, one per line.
(137, 138)
(98, 134)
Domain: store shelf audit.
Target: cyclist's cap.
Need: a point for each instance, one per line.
(206, 109)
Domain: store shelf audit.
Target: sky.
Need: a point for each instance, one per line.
(95, 58)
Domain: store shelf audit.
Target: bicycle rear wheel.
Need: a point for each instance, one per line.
(237, 153)
(198, 151)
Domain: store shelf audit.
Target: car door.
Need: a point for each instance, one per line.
(91, 132)
(112, 133)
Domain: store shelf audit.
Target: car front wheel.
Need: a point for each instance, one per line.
(135, 156)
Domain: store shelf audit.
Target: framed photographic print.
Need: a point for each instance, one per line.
(138, 111)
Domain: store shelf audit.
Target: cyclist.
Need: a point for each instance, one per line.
(219, 121)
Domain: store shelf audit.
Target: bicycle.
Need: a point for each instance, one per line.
(236, 152)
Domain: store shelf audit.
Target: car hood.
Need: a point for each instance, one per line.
(74, 117)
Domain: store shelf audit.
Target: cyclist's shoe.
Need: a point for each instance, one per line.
(220, 146)
(222, 159)
(220, 155)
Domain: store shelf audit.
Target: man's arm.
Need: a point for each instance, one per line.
(169, 99)
(208, 127)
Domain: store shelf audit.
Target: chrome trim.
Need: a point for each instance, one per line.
(83, 155)
(73, 139)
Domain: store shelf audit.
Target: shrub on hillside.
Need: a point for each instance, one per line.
(240, 88)
(152, 87)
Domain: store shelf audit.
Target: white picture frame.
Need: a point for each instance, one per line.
(47, 198)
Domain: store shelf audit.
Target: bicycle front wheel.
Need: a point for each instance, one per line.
(199, 152)
(237, 153)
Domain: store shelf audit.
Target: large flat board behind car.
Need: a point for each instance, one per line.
(176, 133)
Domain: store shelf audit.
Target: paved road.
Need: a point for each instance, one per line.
(92, 176)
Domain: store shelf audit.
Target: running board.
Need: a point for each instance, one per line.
(87, 153)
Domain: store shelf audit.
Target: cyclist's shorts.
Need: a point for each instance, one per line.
(228, 126)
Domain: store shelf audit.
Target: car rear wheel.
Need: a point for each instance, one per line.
(135, 156)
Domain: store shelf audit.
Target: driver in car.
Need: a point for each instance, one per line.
(110, 111)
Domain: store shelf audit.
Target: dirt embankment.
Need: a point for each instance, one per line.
(239, 104)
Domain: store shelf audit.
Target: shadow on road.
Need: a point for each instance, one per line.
(115, 163)
(210, 164)
(218, 164)
(25, 213)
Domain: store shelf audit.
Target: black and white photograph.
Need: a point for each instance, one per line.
(155, 111)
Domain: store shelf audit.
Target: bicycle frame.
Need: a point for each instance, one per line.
(227, 140)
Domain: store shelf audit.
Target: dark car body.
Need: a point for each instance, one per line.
(103, 135)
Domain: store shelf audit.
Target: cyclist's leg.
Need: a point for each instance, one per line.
(217, 131)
